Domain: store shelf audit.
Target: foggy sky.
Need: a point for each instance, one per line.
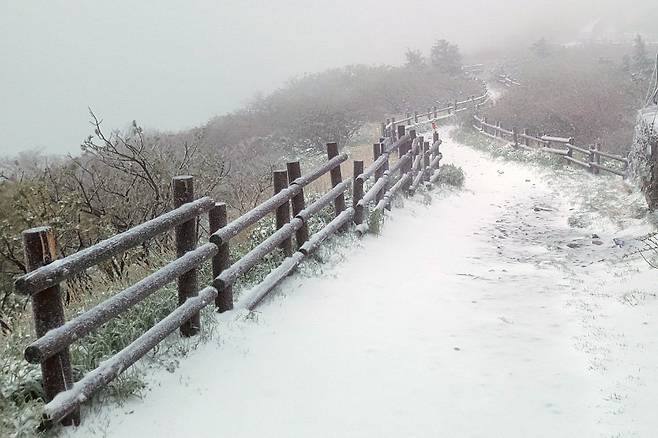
(175, 64)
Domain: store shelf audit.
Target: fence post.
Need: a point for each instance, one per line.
(357, 192)
(218, 218)
(429, 114)
(415, 116)
(383, 130)
(484, 124)
(436, 114)
(408, 116)
(382, 151)
(387, 133)
(455, 106)
(186, 237)
(592, 160)
(408, 168)
(40, 249)
(402, 148)
(426, 161)
(376, 153)
(393, 129)
(280, 182)
(435, 136)
(515, 137)
(336, 178)
(298, 202)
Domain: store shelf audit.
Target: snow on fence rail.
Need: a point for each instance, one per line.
(507, 81)
(591, 158)
(434, 114)
(415, 164)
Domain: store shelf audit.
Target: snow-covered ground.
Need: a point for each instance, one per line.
(489, 312)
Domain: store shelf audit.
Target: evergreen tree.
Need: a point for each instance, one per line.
(640, 58)
(446, 57)
(540, 48)
(414, 58)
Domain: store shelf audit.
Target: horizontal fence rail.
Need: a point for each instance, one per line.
(434, 114)
(590, 157)
(402, 163)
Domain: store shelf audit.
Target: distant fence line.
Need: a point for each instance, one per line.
(507, 81)
(588, 157)
(402, 163)
(436, 114)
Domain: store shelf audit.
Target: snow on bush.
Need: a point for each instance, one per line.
(449, 174)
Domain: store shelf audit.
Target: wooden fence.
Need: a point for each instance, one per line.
(435, 113)
(507, 81)
(591, 157)
(402, 163)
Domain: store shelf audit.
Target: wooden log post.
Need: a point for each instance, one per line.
(426, 160)
(408, 116)
(387, 132)
(383, 129)
(436, 113)
(393, 128)
(408, 146)
(336, 178)
(592, 160)
(515, 137)
(186, 237)
(429, 114)
(402, 149)
(415, 116)
(40, 249)
(376, 153)
(484, 124)
(382, 150)
(280, 182)
(357, 192)
(218, 218)
(408, 168)
(525, 138)
(298, 202)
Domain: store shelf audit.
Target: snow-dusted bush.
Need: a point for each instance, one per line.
(449, 174)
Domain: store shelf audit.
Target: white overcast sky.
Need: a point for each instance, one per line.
(174, 64)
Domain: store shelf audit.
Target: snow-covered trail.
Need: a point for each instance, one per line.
(467, 317)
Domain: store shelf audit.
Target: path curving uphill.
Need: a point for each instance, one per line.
(505, 309)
